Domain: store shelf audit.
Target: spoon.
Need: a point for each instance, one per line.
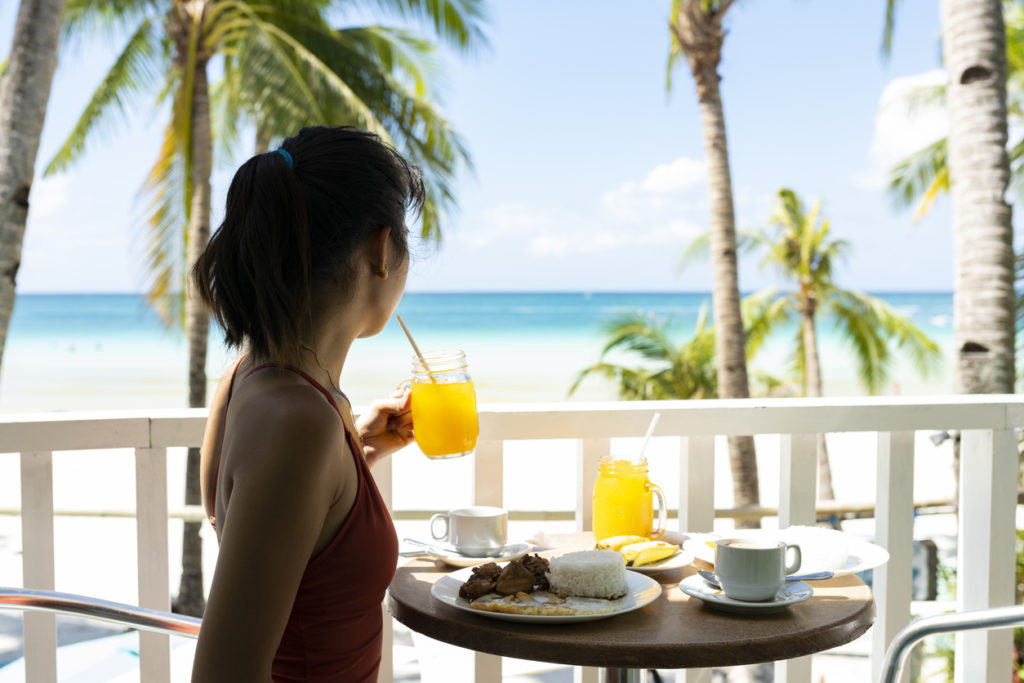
(814, 576)
(432, 548)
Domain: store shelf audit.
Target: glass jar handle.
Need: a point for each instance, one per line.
(662, 510)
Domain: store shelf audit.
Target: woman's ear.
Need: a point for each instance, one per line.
(379, 248)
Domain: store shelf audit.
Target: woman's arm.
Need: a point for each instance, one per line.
(278, 499)
(386, 426)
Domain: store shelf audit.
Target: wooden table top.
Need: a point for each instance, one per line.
(673, 632)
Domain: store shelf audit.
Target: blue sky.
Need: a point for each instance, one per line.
(588, 173)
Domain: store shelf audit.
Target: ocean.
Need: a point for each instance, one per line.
(109, 351)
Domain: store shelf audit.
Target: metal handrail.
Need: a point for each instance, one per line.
(142, 618)
(976, 620)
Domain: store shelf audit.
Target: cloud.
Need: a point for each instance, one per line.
(50, 197)
(664, 207)
(666, 188)
(902, 127)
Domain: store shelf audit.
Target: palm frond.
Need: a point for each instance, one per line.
(299, 69)
(870, 325)
(696, 250)
(107, 19)
(924, 97)
(889, 27)
(1016, 153)
(131, 74)
(640, 333)
(921, 177)
(763, 312)
(459, 23)
(168, 193)
(665, 370)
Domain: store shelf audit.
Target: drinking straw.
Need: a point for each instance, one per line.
(650, 430)
(414, 347)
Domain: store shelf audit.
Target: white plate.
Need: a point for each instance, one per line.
(642, 591)
(513, 551)
(680, 559)
(861, 555)
(790, 594)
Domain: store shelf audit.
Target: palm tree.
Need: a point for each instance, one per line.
(666, 370)
(284, 55)
(24, 93)
(801, 249)
(974, 166)
(696, 33)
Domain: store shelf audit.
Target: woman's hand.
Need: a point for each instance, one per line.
(386, 426)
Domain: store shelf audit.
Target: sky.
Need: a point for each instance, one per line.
(588, 173)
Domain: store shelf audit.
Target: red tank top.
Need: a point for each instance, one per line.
(335, 629)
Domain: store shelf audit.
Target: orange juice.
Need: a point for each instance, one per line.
(444, 417)
(624, 500)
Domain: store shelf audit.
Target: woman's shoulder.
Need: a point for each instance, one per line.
(280, 402)
(275, 415)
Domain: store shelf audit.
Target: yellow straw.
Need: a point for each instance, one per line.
(414, 347)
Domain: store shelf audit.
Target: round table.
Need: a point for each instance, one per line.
(673, 632)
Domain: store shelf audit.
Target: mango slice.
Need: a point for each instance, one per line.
(639, 554)
(617, 542)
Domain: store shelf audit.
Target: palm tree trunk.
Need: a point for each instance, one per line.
(813, 388)
(730, 341)
(262, 139)
(191, 598)
(24, 93)
(974, 52)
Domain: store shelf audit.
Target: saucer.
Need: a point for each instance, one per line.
(512, 551)
(790, 594)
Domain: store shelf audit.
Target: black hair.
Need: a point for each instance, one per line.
(293, 224)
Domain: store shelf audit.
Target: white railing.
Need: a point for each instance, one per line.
(985, 565)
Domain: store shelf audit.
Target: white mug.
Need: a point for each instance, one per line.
(754, 570)
(478, 531)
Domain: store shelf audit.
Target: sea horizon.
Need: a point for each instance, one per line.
(78, 351)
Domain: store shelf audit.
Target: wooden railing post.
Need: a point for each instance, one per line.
(696, 506)
(154, 581)
(894, 531)
(588, 454)
(697, 483)
(985, 549)
(798, 484)
(383, 472)
(39, 629)
(488, 489)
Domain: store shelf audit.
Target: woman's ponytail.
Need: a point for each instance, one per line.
(255, 273)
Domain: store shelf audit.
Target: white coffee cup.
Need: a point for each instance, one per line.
(478, 531)
(754, 570)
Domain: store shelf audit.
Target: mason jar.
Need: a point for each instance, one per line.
(444, 418)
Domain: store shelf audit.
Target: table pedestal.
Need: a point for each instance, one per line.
(613, 675)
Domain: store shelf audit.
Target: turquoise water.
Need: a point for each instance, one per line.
(64, 350)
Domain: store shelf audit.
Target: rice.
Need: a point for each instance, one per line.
(589, 574)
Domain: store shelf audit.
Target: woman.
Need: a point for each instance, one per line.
(311, 255)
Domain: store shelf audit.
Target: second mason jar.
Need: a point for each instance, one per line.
(444, 405)
(624, 500)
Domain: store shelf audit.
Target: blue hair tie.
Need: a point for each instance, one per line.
(287, 157)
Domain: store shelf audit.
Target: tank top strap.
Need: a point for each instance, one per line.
(306, 376)
(220, 444)
(353, 444)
